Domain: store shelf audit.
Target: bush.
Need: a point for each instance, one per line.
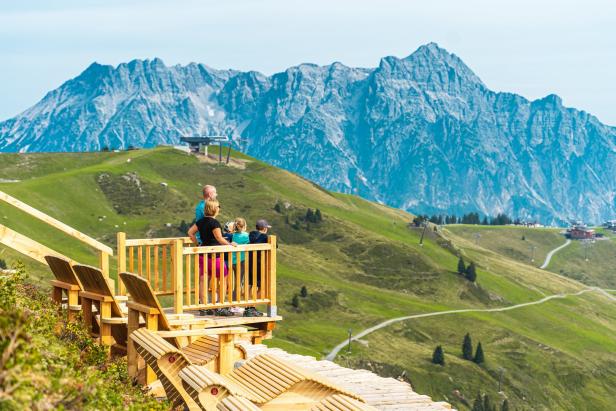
(46, 364)
(2, 264)
(304, 291)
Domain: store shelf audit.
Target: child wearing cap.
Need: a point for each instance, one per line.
(258, 236)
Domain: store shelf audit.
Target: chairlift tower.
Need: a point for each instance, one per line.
(197, 142)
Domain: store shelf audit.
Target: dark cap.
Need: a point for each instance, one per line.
(261, 224)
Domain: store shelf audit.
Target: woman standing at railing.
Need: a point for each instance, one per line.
(210, 233)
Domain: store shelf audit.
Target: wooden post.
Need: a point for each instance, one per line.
(178, 276)
(225, 353)
(151, 323)
(121, 260)
(105, 328)
(131, 353)
(272, 310)
(103, 262)
(86, 311)
(73, 299)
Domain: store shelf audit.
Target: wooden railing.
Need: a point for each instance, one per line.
(203, 277)
(151, 258)
(35, 250)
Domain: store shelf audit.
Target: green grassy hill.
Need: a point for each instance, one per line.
(361, 265)
(571, 261)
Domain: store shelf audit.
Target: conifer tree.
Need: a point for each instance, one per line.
(471, 272)
(479, 359)
(505, 405)
(304, 291)
(438, 357)
(478, 403)
(487, 405)
(2, 264)
(318, 216)
(310, 215)
(467, 348)
(461, 266)
(295, 301)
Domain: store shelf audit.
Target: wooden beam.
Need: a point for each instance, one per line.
(226, 248)
(27, 246)
(55, 223)
(156, 241)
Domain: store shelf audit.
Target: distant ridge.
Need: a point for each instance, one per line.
(422, 133)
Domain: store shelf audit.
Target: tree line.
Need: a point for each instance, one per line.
(469, 218)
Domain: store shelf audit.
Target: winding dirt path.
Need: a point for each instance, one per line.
(332, 355)
(551, 253)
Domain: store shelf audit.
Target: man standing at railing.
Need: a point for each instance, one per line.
(258, 236)
(209, 193)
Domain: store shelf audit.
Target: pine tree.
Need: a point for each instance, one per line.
(461, 266)
(303, 292)
(471, 272)
(309, 215)
(295, 301)
(478, 403)
(438, 357)
(505, 405)
(318, 216)
(467, 348)
(2, 264)
(278, 208)
(479, 359)
(487, 405)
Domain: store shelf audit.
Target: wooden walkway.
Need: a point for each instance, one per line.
(381, 393)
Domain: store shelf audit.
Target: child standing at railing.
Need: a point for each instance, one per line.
(240, 236)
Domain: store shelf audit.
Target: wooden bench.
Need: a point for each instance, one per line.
(270, 383)
(97, 295)
(66, 282)
(185, 333)
(166, 360)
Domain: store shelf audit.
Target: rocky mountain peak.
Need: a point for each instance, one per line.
(421, 132)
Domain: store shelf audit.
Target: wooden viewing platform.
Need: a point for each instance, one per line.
(152, 315)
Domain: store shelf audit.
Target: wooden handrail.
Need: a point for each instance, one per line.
(156, 241)
(173, 266)
(55, 223)
(27, 246)
(225, 248)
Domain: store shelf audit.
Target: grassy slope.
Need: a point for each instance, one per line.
(361, 265)
(570, 261)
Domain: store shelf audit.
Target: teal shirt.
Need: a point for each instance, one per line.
(199, 214)
(239, 239)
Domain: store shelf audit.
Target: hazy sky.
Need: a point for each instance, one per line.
(530, 47)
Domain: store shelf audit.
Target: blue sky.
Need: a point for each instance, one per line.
(533, 48)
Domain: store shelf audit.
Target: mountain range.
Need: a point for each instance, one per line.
(422, 133)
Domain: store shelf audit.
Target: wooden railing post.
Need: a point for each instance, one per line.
(272, 310)
(121, 260)
(178, 275)
(103, 263)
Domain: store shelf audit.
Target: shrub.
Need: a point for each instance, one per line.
(2, 264)
(46, 364)
(304, 291)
